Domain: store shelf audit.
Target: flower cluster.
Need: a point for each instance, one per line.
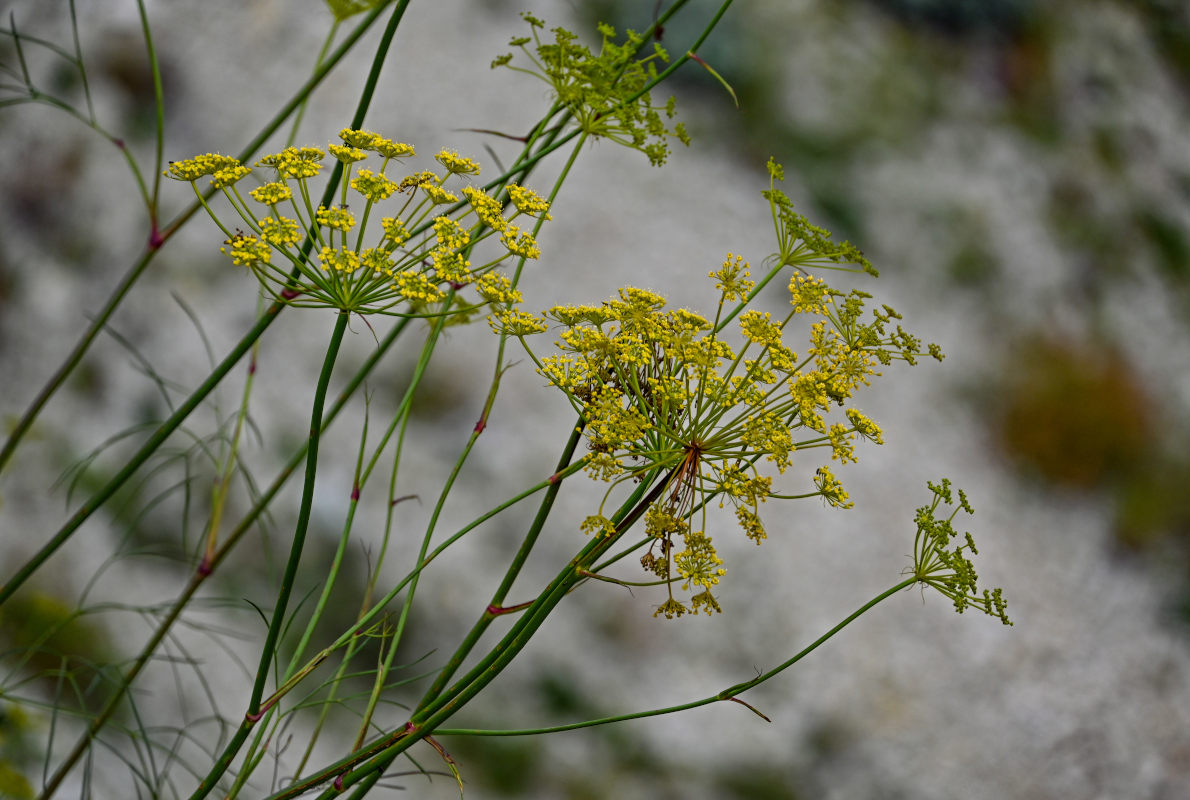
(942, 563)
(802, 244)
(416, 258)
(665, 397)
(604, 93)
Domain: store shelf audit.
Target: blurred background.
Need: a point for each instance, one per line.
(1018, 171)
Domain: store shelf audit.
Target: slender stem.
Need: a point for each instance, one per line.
(159, 116)
(547, 502)
(439, 324)
(208, 568)
(491, 612)
(383, 669)
(336, 683)
(332, 573)
(295, 555)
(402, 740)
(382, 751)
(727, 694)
(146, 450)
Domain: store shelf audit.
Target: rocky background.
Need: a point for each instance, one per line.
(1020, 173)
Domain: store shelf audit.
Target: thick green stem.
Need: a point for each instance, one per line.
(430, 714)
(291, 567)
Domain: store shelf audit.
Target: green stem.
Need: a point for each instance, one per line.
(360, 478)
(547, 502)
(493, 610)
(303, 520)
(295, 555)
(332, 575)
(727, 694)
(153, 199)
(332, 696)
(402, 740)
(380, 753)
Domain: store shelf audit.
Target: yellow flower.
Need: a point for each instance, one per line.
(246, 251)
(516, 323)
(528, 201)
(732, 278)
(809, 294)
(496, 288)
(270, 194)
(228, 175)
(456, 164)
(191, 169)
(598, 525)
(865, 427)
(390, 149)
(346, 153)
(395, 232)
(280, 232)
(831, 490)
(342, 260)
(416, 287)
(295, 162)
(376, 259)
(438, 196)
(520, 243)
(758, 327)
(670, 608)
(487, 208)
(375, 187)
(450, 234)
(336, 218)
